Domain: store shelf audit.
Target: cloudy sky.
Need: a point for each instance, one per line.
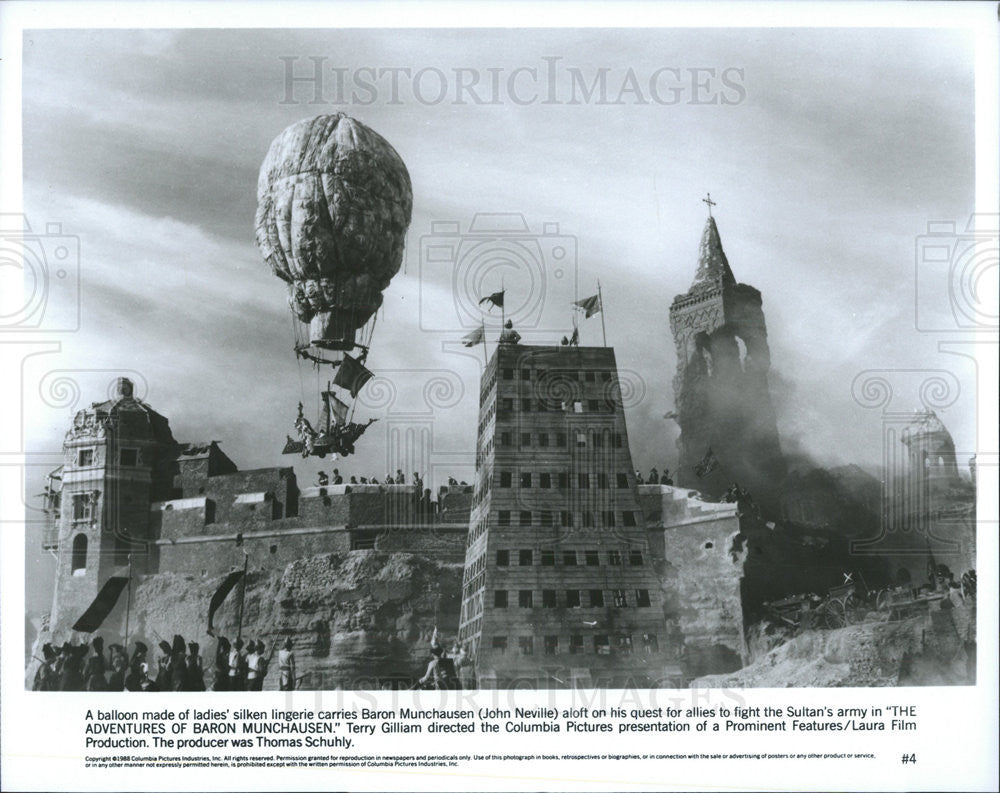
(827, 151)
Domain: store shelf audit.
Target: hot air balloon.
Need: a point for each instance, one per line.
(333, 205)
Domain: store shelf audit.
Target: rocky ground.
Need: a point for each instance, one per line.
(932, 649)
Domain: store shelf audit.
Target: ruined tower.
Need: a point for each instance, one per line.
(560, 587)
(116, 461)
(720, 388)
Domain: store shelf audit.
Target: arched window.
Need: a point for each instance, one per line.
(79, 559)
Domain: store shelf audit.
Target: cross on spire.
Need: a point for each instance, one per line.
(708, 200)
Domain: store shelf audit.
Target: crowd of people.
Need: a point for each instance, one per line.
(399, 478)
(177, 667)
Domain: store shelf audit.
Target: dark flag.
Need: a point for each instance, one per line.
(98, 611)
(352, 375)
(574, 340)
(708, 464)
(496, 299)
(335, 409)
(589, 305)
(473, 338)
(220, 595)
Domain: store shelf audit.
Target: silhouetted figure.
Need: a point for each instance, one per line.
(286, 667)
(221, 681)
(95, 668)
(194, 679)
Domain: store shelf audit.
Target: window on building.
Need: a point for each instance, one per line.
(526, 644)
(83, 507)
(78, 564)
(526, 374)
(505, 478)
(503, 557)
(525, 518)
(575, 644)
(548, 558)
(500, 644)
(583, 481)
(589, 377)
(628, 518)
(623, 644)
(525, 440)
(508, 374)
(602, 646)
(581, 440)
(551, 645)
(545, 480)
(650, 643)
(507, 404)
(526, 405)
(597, 441)
(84, 457)
(500, 598)
(620, 601)
(592, 405)
(543, 439)
(592, 558)
(642, 598)
(563, 480)
(597, 598)
(560, 439)
(567, 518)
(602, 481)
(614, 557)
(274, 549)
(635, 558)
(578, 406)
(569, 558)
(526, 479)
(128, 458)
(525, 557)
(618, 440)
(503, 517)
(549, 598)
(622, 480)
(505, 439)
(572, 598)
(524, 598)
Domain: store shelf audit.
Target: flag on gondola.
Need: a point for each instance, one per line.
(98, 611)
(589, 305)
(708, 464)
(473, 338)
(335, 409)
(220, 595)
(496, 299)
(352, 375)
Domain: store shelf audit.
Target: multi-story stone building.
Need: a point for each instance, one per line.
(560, 583)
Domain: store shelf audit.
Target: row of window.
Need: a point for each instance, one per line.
(547, 557)
(599, 439)
(584, 376)
(570, 598)
(561, 480)
(126, 457)
(566, 518)
(554, 405)
(575, 644)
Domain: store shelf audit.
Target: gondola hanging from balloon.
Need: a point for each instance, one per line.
(334, 202)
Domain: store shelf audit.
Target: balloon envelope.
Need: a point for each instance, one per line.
(334, 201)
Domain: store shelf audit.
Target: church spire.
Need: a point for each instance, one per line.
(713, 267)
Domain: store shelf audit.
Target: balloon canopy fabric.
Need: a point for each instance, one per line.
(334, 201)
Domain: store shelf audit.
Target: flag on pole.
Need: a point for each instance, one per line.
(589, 305)
(474, 338)
(574, 340)
(496, 299)
(708, 464)
(220, 595)
(98, 611)
(352, 375)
